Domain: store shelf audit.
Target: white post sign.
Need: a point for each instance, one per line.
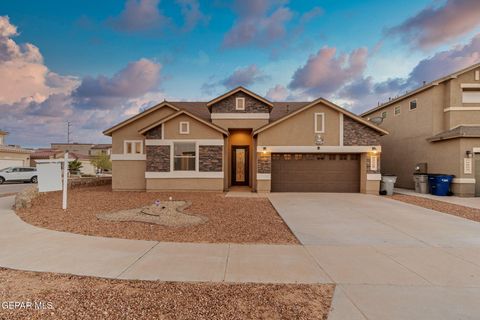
(49, 177)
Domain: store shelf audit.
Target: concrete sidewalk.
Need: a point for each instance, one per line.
(26, 247)
(472, 202)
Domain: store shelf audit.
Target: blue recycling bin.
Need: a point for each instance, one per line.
(439, 184)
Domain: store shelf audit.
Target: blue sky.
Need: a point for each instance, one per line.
(98, 62)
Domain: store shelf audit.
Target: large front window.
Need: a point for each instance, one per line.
(184, 156)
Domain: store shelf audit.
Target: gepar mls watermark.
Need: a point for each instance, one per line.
(27, 305)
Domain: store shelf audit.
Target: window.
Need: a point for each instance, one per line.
(133, 147)
(298, 156)
(477, 75)
(184, 127)
(240, 104)
(343, 157)
(384, 114)
(397, 110)
(184, 156)
(471, 95)
(413, 104)
(319, 119)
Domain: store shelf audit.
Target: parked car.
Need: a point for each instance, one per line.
(18, 174)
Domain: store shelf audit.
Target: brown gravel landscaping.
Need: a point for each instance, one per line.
(445, 207)
(232, 220)
(74, 297)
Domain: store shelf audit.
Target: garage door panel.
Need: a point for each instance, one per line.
(315, 173)
(5, 163)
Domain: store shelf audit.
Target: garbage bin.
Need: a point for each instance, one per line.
(388, 181)
(422, 183)
(416, 182)
(440, 184)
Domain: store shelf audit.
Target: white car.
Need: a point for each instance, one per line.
(18, 174)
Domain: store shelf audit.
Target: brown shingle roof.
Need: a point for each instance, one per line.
(457, 132)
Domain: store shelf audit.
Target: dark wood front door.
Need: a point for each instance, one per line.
(240, 166)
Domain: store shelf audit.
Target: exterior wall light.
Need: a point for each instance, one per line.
(264, 150)
(374, 150)
(468, 153)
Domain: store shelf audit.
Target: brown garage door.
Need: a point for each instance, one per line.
(307, 172)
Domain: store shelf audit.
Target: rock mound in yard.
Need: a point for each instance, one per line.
(167, 213)
(24, 198)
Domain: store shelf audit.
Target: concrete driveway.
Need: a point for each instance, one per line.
(9, 188)
(391, 260)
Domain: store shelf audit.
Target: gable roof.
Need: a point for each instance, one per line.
(142, 114)
(422, 88)
(238, 89)
(176, 114)
(328, 104)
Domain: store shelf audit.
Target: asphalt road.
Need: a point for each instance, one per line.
(9, 188)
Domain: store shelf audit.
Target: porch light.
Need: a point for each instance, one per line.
(264, 150)
(374, 150)
(468, 153)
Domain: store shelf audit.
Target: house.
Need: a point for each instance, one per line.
(47, 154)
(243, 139)
(435, 129)
(11, 155)
(99, 149)
(80, 148)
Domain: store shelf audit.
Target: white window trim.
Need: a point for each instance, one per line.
(341, 129)
(374, 176)
(184, 175)
(127, 157)
(172, 156)
(242, 115)
(133, 147)
(180, 125)
(237, 105)
(399, 112)
(316, 114)
(410, 106)
(264, 176)
(169, 142)
(477, 75)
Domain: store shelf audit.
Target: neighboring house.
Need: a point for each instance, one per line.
(47, 154)
(81, 148)
(241, 138)
(12, 156)
(437, 125)
(99, 149)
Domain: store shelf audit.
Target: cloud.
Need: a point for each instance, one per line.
(135, 80)
(311, 14)
(192, 15)
(35, 102)
(245, 76)
(258, 23)
(277, 93)
(435, 25)
(146, 16)
(325, 72)
(140, 15)
(24, 76)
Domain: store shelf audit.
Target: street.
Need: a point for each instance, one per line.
(10, 188)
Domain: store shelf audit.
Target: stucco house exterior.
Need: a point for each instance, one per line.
(435, 128)
(243, 139)
(12, 156)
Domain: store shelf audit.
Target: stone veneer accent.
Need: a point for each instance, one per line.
(158, 158)
(155, 133)
(358, 134)
(264, 163)
(210, 158)
(252, 105)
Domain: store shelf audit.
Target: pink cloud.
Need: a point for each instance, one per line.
(277, 93)
(140, 15)
(326, 72)
(435, 25)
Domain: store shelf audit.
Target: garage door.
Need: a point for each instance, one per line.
(307, 172)
(10, 163)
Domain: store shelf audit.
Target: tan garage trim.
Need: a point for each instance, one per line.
(319, 149)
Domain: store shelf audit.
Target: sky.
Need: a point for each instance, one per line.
(96, 63)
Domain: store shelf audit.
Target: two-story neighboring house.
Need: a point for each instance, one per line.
(438, 125)
(243, 139)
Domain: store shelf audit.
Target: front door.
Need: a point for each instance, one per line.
(240, 165)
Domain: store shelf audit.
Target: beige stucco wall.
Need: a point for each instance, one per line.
(25, 157)
(240, 123)
(185, 184)
(263, 185)
(198, 130)
(130, 131)
(299, 129)
(128, 175)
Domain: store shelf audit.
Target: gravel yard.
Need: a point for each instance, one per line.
(445, 207)
(74, 297)
(232, 220)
